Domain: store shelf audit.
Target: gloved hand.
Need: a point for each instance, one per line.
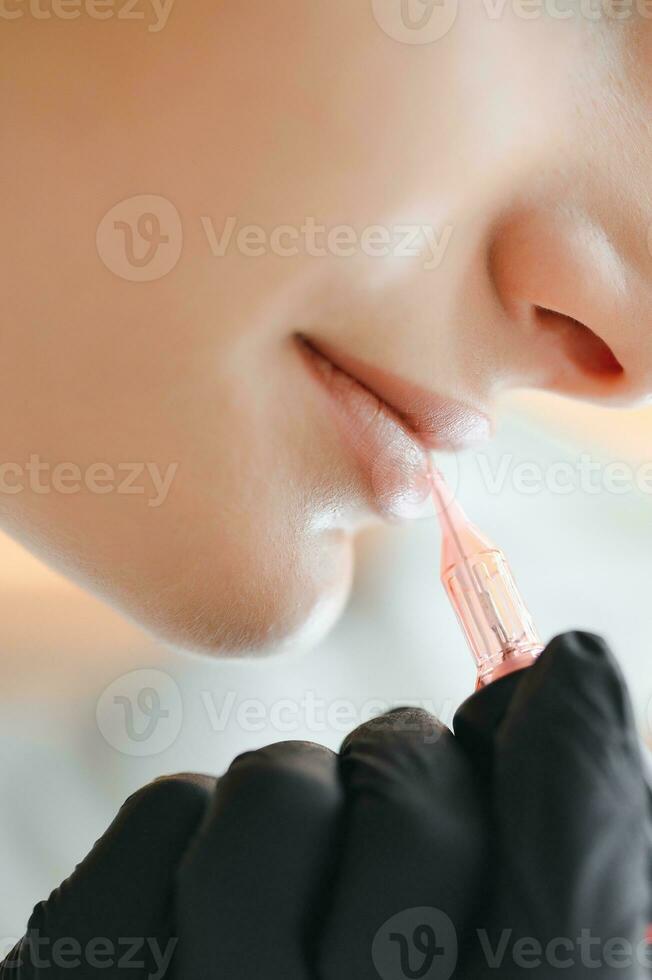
(384, 861)
(570, 891)
(284, 868)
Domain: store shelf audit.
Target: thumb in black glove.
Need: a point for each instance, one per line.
(571, 823)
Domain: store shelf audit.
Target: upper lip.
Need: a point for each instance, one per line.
(436, 421)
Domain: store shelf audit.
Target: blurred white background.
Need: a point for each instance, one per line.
(582, 556)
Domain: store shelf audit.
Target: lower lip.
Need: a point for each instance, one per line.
(394, 462)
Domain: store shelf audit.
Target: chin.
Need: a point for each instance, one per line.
(258, 615)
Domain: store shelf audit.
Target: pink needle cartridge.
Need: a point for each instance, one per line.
(482, 591)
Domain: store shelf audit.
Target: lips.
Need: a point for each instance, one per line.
(390, 425)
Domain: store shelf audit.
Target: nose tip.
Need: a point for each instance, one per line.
(580, 309)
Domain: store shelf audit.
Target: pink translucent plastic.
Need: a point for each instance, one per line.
(481, 588)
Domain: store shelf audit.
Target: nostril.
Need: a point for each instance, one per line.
(588, 351)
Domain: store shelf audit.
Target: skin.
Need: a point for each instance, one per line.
(530, 139)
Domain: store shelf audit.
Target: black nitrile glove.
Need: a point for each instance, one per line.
(115, 911)
(289, 867)
(570, 892)
(375, 863)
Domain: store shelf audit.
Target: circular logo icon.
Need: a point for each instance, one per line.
(415, 21)
(141, 713)
(140, 239)
(417, 944)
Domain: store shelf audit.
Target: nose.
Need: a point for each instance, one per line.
(577, 300)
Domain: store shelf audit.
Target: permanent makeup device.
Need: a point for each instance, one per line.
(482, 591)
(475, 574)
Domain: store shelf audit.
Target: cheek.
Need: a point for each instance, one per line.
(238, 554)
(285, 593)
(249, 584)
(260, 564)
(253, 590)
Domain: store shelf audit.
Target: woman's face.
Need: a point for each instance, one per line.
(447, 203)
